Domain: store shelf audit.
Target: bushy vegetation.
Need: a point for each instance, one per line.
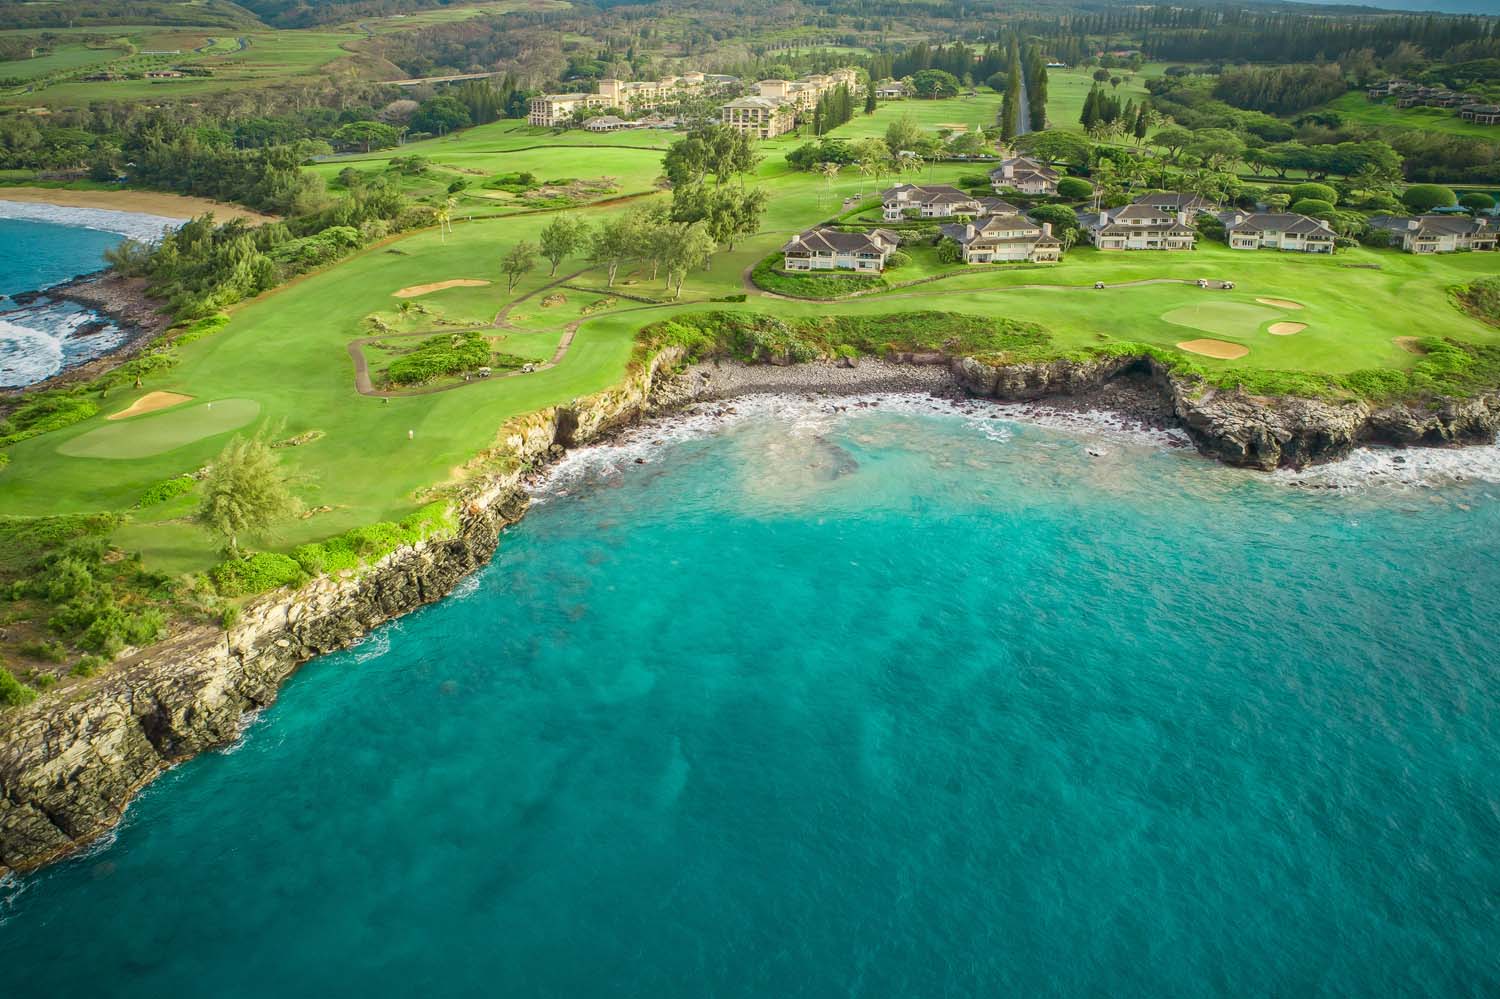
(769, 276)
(436, 356)
(256, 573)
(13, 692)
(165, 490)
(757, 337)
(45, 413)
(1482, 299)
(373, 542)
(93, 597)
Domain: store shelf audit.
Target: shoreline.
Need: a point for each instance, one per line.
(120, 300)
(179, 207)
(70, 765)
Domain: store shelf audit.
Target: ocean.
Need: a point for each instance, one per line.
(899, 700)
(46, 245)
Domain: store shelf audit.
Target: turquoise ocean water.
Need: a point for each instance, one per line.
(875, 704)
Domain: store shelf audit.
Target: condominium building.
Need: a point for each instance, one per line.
(777, 105)
(762, 117)
(630, 96)
(555, 110)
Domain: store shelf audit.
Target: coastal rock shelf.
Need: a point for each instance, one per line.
(69, 766)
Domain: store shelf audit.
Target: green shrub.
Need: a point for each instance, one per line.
(436, 356)
(87, 666)
(1074, 188)
(49, 650)
(373, 542)
(1482, 299)
(1425, 197)
(165, 490)
(1313, 208)
(1316, 191)
(258, 573)
(200, 328)
(12, 691)
(898, 258)
(1477, 201)
(45, 413)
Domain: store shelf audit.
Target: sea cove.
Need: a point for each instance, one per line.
(894, 700)
(44, 246)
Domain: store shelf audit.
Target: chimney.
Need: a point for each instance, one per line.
(1046, 228)
(1413, 224)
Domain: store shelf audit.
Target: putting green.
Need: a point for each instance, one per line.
(143, 437)
(1224, 318)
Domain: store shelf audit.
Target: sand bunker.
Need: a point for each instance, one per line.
(150, 403)
(1285, 329)
(422, 289)
(1221, 349)
(1408, 344)
(1280, 303)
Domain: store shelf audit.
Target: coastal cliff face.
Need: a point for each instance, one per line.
(1246, 430)
(70, 764)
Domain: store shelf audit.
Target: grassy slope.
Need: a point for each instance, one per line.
(1354, 106)
(286, 350)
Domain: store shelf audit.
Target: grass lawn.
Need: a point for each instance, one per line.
(286, 352)
(975, 112)
(1355, 107)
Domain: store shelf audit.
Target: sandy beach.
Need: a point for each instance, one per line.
(146, 202)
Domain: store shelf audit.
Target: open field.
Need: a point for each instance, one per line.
(1355, 107)
(67, 56)
(631, 160)
(1067, 89)
(976, 112)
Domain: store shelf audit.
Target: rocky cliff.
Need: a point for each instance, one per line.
(1246, 430)
(70, 763)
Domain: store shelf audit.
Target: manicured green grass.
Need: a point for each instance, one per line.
(1224, 317)
(158, 433)
(975, 112)
(1355, 107)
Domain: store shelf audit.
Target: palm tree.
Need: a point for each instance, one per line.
(829, 172)
(444, 216)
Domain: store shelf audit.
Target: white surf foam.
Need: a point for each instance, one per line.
(136, 225)
(814, 416)
(1406, 468)
(39, 340)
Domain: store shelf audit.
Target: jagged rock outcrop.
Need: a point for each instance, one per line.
(1246, 430)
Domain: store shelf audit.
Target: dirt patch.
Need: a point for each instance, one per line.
(150, 403)
(1285, 329)
(1221, 349)
(1280, 303)
(1410, 344)
(421, 289)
